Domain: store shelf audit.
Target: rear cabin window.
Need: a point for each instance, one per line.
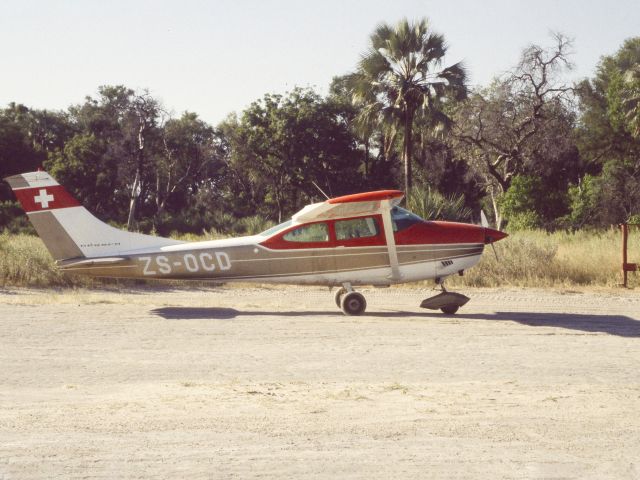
(277, 228)
(403, 219)
(356, 228)
(316, 232)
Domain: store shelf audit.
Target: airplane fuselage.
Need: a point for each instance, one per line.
(258, 259)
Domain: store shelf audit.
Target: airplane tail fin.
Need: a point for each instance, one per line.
(69, 230)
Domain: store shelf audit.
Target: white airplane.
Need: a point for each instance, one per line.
(361, 239)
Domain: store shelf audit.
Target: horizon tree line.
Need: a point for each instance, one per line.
(530, 148)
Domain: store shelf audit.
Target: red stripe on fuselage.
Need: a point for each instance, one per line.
(45, 198)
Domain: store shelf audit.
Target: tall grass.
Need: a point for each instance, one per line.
(526, 259)
(540, 259)
(24, 261)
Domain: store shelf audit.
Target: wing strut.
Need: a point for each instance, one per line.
(391, 241)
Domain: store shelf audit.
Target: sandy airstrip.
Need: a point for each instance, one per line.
(277, 383)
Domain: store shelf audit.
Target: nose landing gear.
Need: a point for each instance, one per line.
(447, 302)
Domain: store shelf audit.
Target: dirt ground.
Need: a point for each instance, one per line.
(277, 383)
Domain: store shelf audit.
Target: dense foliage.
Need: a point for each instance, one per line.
(530, 148)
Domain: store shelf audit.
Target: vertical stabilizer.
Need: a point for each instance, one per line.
(69, 230)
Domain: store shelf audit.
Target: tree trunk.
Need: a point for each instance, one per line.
(278, 203)
(406, 152)
(496, 210)
(366, 157)
(135, 192)
(136, 188)
(279, 209)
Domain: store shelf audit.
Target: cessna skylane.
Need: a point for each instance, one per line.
(348, 241)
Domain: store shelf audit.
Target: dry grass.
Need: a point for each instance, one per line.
(560, 259)
(525, 259)
(24, 261)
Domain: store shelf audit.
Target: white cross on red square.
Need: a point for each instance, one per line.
(43, 198)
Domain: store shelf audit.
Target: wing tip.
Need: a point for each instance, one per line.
(367, 196)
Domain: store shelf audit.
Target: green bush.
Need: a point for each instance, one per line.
(432, 205)
(252, 225)
(13, 219)
(527, 220)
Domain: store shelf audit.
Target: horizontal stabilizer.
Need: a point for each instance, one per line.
(90, 261)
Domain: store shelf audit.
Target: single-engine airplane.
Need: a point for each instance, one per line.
(360, 239)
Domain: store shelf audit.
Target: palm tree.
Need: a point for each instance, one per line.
(400, 77)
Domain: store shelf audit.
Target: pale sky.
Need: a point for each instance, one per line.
(216, 57)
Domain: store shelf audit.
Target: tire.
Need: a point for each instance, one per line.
(338, 296)
(450, 309)
(353, 303)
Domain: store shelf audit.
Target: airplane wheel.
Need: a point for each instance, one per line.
(338, 296)
(450, 309)
(353, 303)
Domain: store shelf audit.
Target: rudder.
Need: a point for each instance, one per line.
(69, 230)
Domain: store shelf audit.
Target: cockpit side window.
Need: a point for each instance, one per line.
(362, 227)
(403, 219)
(315, 232)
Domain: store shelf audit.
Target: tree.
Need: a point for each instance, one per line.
(192, 157)
(282, 144)
(400, 77)
(607, 137)
(83, 167)
(521, 124)
(623, 87)
(17, 154)
(144, 112)
(116, 145)
(95, 163)
(45, 130)
(27, 136)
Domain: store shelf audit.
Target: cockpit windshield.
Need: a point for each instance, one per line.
(277, 228)
(402, 218)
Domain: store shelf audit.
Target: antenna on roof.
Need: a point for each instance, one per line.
(321, 191)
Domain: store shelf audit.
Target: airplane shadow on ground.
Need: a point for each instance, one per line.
(215, 313)
(619, 325)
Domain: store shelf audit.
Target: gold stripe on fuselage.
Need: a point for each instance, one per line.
(255, 261)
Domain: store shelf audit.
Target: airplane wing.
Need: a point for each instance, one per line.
(350, 206)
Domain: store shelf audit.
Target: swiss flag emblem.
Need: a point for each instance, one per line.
(45, 198)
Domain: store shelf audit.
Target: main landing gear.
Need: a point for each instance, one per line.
(350, 301)
(353, 303)
(447, 302)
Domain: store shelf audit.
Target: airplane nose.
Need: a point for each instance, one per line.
(491, 235)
